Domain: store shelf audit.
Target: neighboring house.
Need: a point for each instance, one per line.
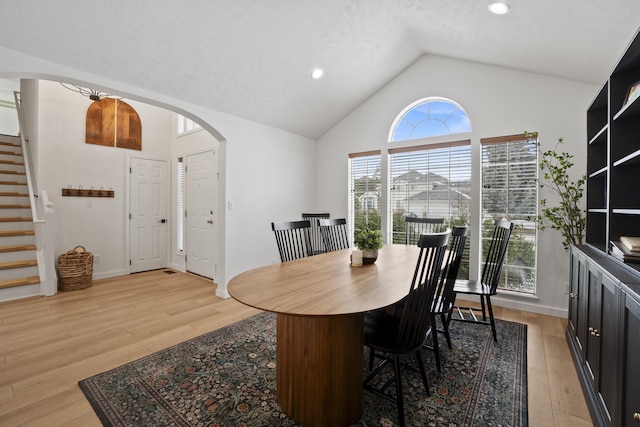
(423, 195)
(440, 201)
(370, 200)
(414, 182)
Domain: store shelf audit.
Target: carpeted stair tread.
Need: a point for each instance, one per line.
(10, 153)
(32, 280)
(10, 144)
(18, 264)
(13, 194)
(11, 162)
(16, 219)
(11, 233)
(15, 206)
(6, 172)
(12, 183)
(17, 248)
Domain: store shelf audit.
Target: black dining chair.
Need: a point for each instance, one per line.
(487, 286)
(389, 336)
(444, 296)
(316, 238)
(417, 226)
(293, 239)
(334, 234)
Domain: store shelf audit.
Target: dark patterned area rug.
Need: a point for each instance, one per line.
(227, 378)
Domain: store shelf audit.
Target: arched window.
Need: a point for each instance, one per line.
(427, 117)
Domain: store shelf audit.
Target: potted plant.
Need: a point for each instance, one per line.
(568, 216)
(368, 240)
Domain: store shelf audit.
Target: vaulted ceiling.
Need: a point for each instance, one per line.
(253, 58)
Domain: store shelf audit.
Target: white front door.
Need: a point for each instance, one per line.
(148, 222)
(201, 194)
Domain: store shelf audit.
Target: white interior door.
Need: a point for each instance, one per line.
(148, 223)
(201, 194)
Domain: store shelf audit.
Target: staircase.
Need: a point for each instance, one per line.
(18, 263)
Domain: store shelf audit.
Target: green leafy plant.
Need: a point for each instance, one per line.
(368, 238)
(567, 216)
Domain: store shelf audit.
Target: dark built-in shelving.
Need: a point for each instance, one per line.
(613, 156)
(604, 299)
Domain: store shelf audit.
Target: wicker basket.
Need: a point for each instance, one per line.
(75, 269)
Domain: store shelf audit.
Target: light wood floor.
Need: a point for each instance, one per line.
(48, 344)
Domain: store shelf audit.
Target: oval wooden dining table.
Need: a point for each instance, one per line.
(320, 303)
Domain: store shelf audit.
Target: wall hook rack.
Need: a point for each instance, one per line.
(90, 192)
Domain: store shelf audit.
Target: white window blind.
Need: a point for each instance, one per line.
(364, 194)
(510, 191)
(180, 206)
(431, 181)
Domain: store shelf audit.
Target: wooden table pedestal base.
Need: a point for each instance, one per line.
(319, 368)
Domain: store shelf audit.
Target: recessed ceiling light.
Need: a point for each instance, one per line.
(317, 73)
(499, 8)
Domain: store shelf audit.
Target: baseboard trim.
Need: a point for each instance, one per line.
(524, 305)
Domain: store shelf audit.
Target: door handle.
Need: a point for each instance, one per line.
(162, 221)
(209, 221)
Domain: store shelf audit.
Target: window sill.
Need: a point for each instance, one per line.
(188, 132)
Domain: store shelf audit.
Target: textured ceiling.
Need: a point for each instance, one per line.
(253, 58)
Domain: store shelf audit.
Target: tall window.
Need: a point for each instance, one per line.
(427, 117)
(510, 191)
(364, 194)
(430, 181)
(186, 125)
(180, 207)
(8, 116)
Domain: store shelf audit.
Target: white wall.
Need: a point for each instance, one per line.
(271, 175)
(98, 224)
(193, 142)
(266, 175)
(499, 102)
(260, 162)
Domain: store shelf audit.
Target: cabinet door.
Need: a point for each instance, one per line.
(601, 358)
(630, 410)
(607, 377)
(593, 313)
(577, 293)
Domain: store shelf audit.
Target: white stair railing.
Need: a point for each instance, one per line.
(45, 238)
(42, 213)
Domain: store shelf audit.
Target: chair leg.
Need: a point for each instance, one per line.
(436, 349)
(484, 311)
(493, 323)
(423, 373)
(399, 399)
(372, 354)
(445, 328)
(453, 304)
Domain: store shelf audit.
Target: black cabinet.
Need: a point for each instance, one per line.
(601, 359)
(603, 332)
(577, 323)
(613, 156)
(630, 402)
